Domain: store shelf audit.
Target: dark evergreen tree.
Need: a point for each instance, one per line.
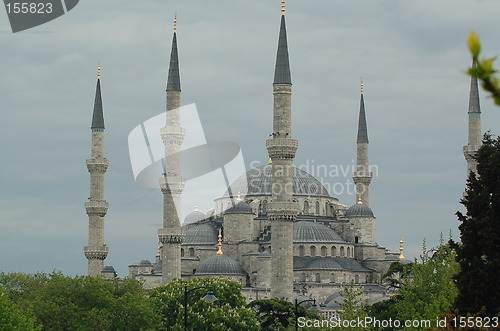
(479, 251)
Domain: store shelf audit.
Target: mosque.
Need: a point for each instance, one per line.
(276, 243)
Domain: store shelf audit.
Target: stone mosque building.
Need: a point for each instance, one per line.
(275, 243)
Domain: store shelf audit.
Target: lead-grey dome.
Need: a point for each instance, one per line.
(240, 208)
(323, 263)
(194, 217)
(220, 265)
(203, 234)
(145, 263)
(257, 181)
(359, 210)
(108, 268)
(312, 232)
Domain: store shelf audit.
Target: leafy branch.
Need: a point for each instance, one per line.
(483, 70)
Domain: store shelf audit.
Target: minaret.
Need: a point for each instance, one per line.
(171, 183)
(96, 252)
(282, 211)
(362, 177)
(474, 140)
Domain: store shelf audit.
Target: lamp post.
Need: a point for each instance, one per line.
(210, 297)
(314, 307)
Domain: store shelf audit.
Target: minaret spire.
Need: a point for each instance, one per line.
(362, 176)
(474, 125)
(96, 251)
(172, 183)
(174, 80)
(282, 210)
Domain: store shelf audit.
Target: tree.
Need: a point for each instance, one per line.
(479, 251)
(484, 68)
(13, 318)
(428, 290)
(229, 312)
(353, 308)
(60, 302)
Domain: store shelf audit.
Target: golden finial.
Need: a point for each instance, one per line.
(270, 161)
(362, 86)
(98, 70)
(219, 244)
(159, 250)
(360, 202)
(175, 23)
(401, 257)
(239, 196)
(282, 7)
(196, 207)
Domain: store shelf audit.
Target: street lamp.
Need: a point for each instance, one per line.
(210, 297)
(314, 307)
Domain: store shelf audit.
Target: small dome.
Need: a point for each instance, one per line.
(194, 217)
(359, 210)
(220, 265)
(323, 263)
(109, 269)
(201, 234)
(311, 232)
(145, 263)
(240, 208)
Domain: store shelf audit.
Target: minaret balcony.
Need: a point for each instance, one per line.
(97, 165)
(172, 185)
(171, 235)
(172, 134)
(282, 148)
(99, 207)
(282, 210)
(96, 252)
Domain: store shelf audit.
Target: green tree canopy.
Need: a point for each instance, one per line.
(229, 312)
(13, 318)
(61, 302)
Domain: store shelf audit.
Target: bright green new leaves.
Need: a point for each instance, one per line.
(483, 69)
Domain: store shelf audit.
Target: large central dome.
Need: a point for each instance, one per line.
(258, 182)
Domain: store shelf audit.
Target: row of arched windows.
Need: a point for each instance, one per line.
(190, 252)
(335, 278)
(324, 251)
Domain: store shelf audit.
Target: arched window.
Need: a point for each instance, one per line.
(367, 279)
(348, 251)
(326, 208)
(356, 279)
(313, 250)
(306, 207)
(303, 277)
(317, 207)
(318, 278)
(301, 250)
(191, 251)
(323, 251)
(345, 279)
(332, 211)
(342, 251)
(334, 251)
(182, 252)
(260, 208)
(332, 278)
(264, 207)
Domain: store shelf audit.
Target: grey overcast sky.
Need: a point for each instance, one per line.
(411, 55)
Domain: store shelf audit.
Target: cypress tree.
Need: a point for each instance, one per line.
(479, 251)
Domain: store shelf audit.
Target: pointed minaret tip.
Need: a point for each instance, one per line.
(174, 80)
(97, 116)
(362, 127)
(282, 68)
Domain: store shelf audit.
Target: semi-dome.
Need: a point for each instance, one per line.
(220, 265)
(324, 263)
(312, 232)
(109, 269)
(257, 181)
(359, 210)
(194, 217)
(203, 234)
(240, 208)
